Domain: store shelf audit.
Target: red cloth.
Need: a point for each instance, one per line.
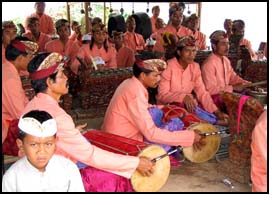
(9, 146)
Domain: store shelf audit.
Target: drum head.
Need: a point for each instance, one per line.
(160, 175)
(209, 149)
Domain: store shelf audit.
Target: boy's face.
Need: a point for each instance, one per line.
(37, 150)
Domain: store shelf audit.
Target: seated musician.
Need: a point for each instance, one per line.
(128, 112)
(193, 24)
(18, 54)
(125, 56)
(238, 28)
(98, 48)
(64, 45)
(9, 33)
(174, 27)
(181, 77)
(35, 35)
(217, 72)
(259, 155)
(133, 40)
(104, 171)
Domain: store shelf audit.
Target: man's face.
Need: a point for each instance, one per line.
(176, 18)
(60, 86)
(194, 24)
(40, 8)
(151, 80)
(222, 47)
(118, 40)
(64, 31)
(187, 54)
(34, 27)
(37, 150)
(24, 60)
(99, 36)
(228, 25)
(9, 34)
(131, 25)
(156, 12)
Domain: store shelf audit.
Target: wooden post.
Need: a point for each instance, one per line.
(104, 13)
(199, 13)
(86, 16)
(68, 12)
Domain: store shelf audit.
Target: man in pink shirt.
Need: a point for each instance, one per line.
(181, 77)
(193, 24)
(50, 83)
(18, 55)
(46, 22)
(64, 45)
(175, 27)
(127, 114)
(238, 28)
(133, 40)
(217, 72)
(77, 33)
(156, 12)
(125, 56)
(35, 35)
(259, 155)
(9, 32)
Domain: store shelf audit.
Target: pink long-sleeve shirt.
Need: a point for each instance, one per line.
(259, 155)
(70, 49)
(127, 115)
(247, 44)
(177, 82)
(72, 144)
(46, 23)
(125, 57)
(134, 41)
(43, 39)
(200, 40)
(13, 96)
(218, 74)
(3, 54)
(182, 31)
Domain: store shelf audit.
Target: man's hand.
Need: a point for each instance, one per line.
(241, 86)
(145, 166)
(198, 142)
(81, 127)
(189, 103)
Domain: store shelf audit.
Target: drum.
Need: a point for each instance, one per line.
(209, 149)
(126, 146)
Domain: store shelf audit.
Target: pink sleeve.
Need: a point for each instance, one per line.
(73, 143)
(131, 58)
(164, 89)
(137, 109)
(202, 94)
(259, 155)
(16, 99)
(234, 78)
(210, 80)
(113, 58)
(51, 30)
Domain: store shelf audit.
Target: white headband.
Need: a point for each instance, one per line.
(33, 127)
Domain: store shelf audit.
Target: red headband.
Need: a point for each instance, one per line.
(20, 46)
(43, 73)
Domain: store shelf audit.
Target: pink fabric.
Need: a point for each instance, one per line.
(74, 36)
(96, 180)
(259, 155)
(3, 54)
(218, 74)
(13, 96)
(181, 32)
(125, 57)
(46, 23)
(134, 41)
(177, 82)
(70, 49)
(127, 115)
(71, 144)
(242, 101)
(153, 22)
(200, 40)
(247, 44)
(43, 39)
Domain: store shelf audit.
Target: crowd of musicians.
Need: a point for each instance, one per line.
(54, 154)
